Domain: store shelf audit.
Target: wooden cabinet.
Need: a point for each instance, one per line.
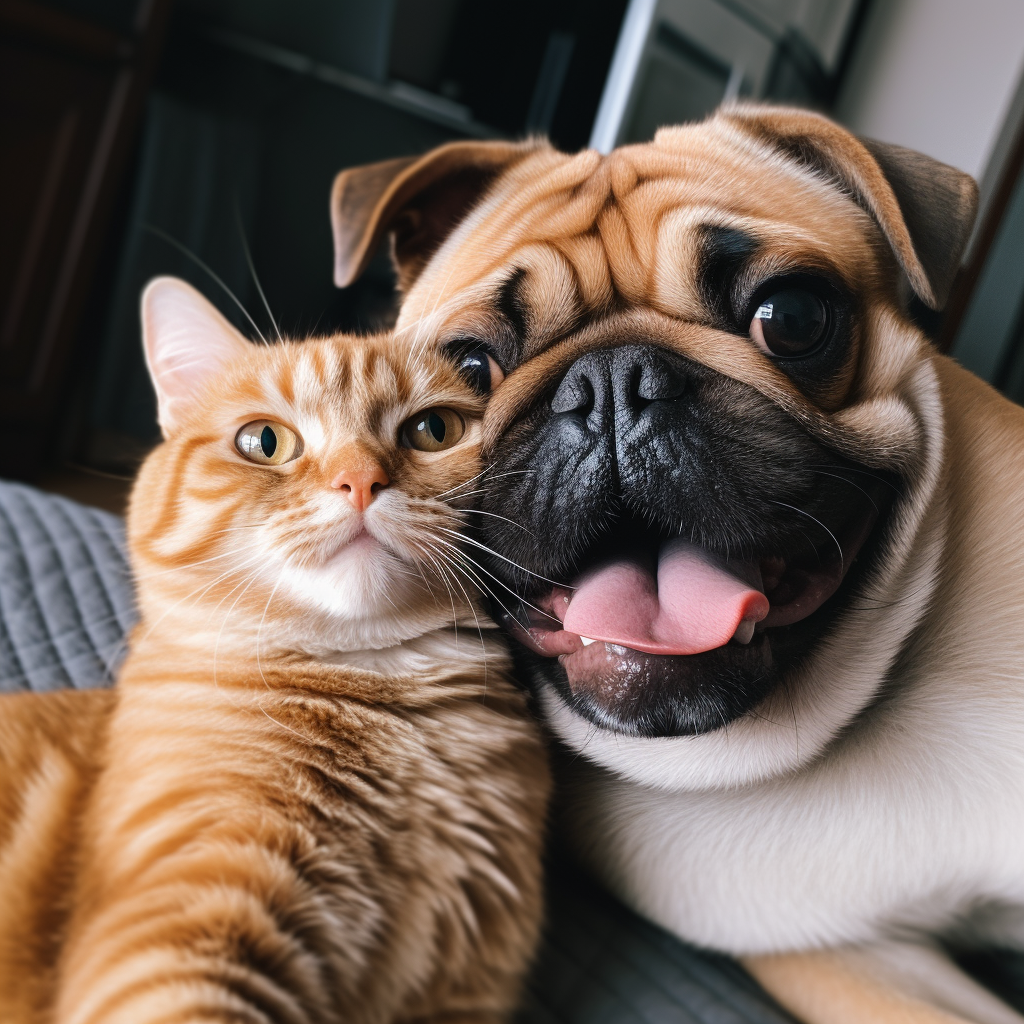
(71, 95)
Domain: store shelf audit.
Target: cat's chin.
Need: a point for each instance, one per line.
(362, 545)
(366, 588)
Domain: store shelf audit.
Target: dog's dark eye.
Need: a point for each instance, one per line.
(480, 368)
(790, 322)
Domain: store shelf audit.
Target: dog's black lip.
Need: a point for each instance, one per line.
(630, 716)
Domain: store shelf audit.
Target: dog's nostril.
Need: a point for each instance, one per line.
(574, 394)
(659, 382)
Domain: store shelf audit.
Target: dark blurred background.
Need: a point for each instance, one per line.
(131, 130)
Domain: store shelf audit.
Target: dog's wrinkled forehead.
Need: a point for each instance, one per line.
(679, 226)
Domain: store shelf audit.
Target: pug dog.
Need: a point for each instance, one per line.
(760, 545)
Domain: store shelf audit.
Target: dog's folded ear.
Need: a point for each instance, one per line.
(925, 208)
(418, 200)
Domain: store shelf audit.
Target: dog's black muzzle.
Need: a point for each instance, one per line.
(636, 448)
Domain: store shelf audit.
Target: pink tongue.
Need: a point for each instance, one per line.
(695, 604)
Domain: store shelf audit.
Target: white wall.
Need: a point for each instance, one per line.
(936, 75)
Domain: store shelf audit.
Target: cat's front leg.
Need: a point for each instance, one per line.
(215, 952)
(881, 983)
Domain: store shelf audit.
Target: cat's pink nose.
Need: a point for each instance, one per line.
(361, 485)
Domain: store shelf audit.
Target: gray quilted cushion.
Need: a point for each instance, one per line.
(65, 592)
(601, 964)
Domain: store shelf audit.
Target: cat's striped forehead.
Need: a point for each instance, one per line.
(352, 383)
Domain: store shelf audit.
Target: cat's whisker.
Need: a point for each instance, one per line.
(259, 628)
(465, 495)
(171, 240)
(485, 472)
(188, 565)
(511, 522)
(426, 583)
(455, 616)
(473, 567)
(245, 582)
(235, 529)
(200, 592)
(493, 596)
(248, 562)
(451, 594)
(495, 554)
(465, 483)
(252, 270)
(455, 556)
(447, 560)
(397, 564)
(430, 556)
(249, 580)
(281, 725)
(483, 489)
(504, 586)
(476, 618)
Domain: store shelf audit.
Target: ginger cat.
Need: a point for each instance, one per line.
(315, 794)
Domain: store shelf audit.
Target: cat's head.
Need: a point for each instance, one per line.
(311, 491)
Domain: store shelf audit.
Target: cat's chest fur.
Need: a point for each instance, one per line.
(336, 758)
(309, 827)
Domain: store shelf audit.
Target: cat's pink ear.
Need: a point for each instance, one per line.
(187, 343)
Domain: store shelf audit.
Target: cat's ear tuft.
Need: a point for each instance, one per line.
(187, 344)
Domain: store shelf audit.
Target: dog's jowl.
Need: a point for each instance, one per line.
(758, 543)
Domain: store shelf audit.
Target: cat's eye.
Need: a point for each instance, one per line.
(268, 443)
(479, 368)
(790, 321)
(433, 430)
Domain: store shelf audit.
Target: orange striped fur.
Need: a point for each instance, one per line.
(314, 794)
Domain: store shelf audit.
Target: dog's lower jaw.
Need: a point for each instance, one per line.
(648, 695)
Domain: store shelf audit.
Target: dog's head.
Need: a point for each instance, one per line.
(714, 434)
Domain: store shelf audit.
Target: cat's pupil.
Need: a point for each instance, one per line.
(436, 426)
(268, 442)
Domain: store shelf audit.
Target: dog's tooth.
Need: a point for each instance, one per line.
(586, 641)
(744, 632)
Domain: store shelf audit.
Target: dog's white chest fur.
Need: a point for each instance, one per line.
(914, 822)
